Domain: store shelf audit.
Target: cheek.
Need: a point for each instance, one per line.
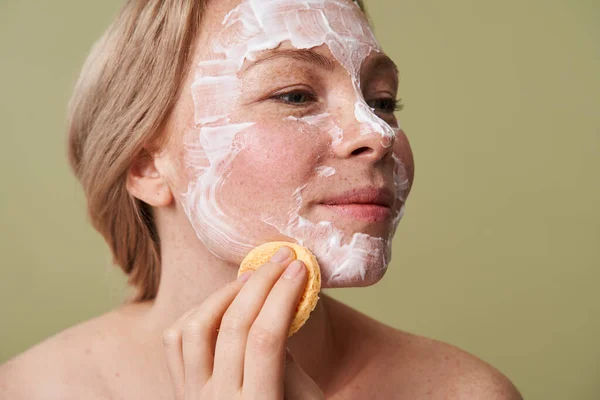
(277, 159)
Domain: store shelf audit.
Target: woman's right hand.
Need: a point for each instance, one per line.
(233, 345)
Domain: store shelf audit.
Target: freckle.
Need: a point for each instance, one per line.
(87, 351)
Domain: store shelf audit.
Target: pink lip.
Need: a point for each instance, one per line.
(367, 195)
(369, 204)
(363, 211)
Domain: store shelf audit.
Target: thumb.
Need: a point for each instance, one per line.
(297, 385)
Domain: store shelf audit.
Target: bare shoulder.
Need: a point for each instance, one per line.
(404, 365)
(444, 371)
(64, 366)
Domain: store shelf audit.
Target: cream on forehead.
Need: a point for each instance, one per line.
(258, 25)
(252, 27)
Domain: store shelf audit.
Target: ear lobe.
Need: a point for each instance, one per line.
(145, 182)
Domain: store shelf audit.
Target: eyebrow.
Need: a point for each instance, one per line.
(305, 55)
(312, 57)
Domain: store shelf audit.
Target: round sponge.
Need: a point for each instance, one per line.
(261, 254)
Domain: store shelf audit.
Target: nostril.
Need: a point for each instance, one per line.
(362, 150)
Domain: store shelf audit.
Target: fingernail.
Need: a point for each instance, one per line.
(282, 254)
(244, 277)
(293, 269)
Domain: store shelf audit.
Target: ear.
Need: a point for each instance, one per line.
(145, 182)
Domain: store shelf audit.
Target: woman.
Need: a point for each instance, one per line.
(201, 129)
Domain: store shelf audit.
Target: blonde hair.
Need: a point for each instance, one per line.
(127, 89)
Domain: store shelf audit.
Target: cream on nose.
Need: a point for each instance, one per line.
(364, 134)
(370, 122)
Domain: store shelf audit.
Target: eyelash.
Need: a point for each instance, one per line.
(389, 105)
(280, 97)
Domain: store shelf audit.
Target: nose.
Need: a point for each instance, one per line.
(365, 136)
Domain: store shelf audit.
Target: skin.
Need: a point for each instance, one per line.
(168, 343)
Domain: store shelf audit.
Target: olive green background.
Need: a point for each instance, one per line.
(498, 252)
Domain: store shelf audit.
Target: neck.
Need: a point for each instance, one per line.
(190, 274)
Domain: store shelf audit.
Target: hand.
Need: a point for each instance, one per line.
(233, 345)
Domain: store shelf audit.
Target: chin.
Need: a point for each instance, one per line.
(350, 253)
(373, 274)
(359, 261)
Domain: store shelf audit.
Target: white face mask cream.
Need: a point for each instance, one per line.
(220, 136)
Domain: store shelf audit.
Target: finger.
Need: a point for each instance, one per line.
(198, 333)
(233, 333)
(268, 336)
(297, 384)
(174, 356)
(174, 353)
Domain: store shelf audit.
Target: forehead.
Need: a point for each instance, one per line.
(217, 9)
(242, 26)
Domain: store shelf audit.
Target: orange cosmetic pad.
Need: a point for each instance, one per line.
(261, 255)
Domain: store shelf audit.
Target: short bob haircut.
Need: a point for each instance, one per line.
(126, 91)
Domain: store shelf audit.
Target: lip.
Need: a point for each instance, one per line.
(363, 212)
(369, 204)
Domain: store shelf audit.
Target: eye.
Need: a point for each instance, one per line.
(295, 97)
(386, 105)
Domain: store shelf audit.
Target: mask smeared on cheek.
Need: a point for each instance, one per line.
(252, 27)
(325, 171)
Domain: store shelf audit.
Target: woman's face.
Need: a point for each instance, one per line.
(287, 117)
